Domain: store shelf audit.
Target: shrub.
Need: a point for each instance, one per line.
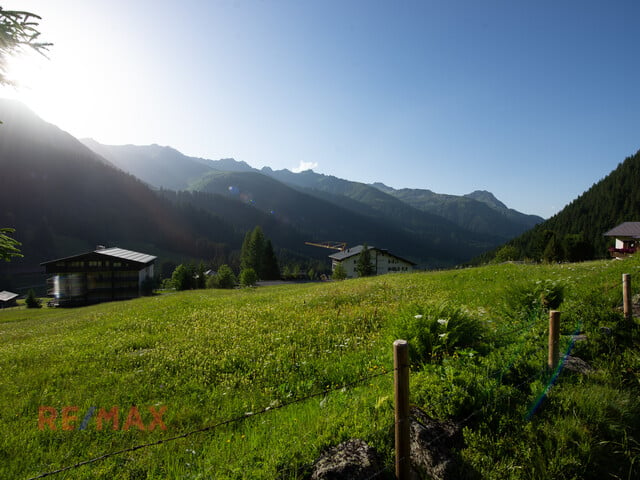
(31, 300)
(436, 331)
(183, 277)
(225, 278)
(248, 277)
(533, 298)
(339, 273)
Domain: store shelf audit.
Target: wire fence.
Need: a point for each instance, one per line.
(388, 469)
(273, 406)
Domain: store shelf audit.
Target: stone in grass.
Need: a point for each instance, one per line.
(433, 445)
(576, 365)
(351, 460)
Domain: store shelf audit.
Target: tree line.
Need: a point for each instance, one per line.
(258, 261)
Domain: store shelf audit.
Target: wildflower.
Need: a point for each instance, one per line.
(442, 321)
(418, 317)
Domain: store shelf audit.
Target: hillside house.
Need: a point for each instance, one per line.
(627, 236)
(8, 299)
(103, 275)
(382, 260)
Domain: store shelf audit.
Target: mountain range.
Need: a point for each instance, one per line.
(163, 167)
(63, 196)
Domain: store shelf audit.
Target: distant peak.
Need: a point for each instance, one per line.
(487, 197)
(382, 187)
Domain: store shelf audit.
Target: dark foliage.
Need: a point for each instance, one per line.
(364, 267)
(32, 301)
(576, 232)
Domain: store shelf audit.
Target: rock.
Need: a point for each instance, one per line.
(576, 365)
(351, 460)
(432, 446)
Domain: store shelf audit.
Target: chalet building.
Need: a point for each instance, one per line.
(8, 299)
(627, 236)
(103, 275)
(382, 260)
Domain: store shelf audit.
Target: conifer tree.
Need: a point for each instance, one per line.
(364, 267)
(270, 263)
(257, 253)
(17, 30)
(8, 246)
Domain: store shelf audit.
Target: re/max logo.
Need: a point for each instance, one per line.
(108, 419)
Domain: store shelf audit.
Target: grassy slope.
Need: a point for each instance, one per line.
(212, 355)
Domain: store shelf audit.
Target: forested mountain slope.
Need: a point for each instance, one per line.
(63, 198)
(576, 232)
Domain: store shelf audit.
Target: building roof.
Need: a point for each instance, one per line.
(350, 252)
(126, 254)
(7, 296)
(115, 252)
(626, 229)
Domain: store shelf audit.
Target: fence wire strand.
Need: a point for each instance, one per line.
(229, 421)
(530, 326)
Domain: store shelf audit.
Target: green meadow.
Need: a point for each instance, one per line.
(177, 363)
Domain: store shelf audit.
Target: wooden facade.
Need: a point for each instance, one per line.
(103, 275)
(8, 299)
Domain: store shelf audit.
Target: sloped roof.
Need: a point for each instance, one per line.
(350, 252)
(126, 254)
(115, 252)
(626, 229)
(7, 296)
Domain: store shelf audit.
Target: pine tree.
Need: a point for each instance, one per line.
(271, 270)
(32, 301)
(17, 31)
(553, 251)
(364, 267)
(257, 253)
(8, 246)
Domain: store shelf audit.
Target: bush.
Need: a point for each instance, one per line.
(248, 277)
(339, 273)
(533, 298)
(436, 331)
(224, 279)
(31, 300)
(183, 277)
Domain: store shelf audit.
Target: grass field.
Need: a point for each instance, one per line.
(189, 360)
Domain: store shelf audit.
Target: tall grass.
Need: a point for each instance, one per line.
(212, 355)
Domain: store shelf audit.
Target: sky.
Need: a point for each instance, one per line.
(534, 101)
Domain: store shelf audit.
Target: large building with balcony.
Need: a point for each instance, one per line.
(103, 275)
(382, 261)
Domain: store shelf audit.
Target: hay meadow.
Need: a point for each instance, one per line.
(181, 362)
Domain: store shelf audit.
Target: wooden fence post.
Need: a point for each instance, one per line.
(626, 296)
(401, 391)
(554, 339)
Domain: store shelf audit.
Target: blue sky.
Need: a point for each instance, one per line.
(533, 101)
